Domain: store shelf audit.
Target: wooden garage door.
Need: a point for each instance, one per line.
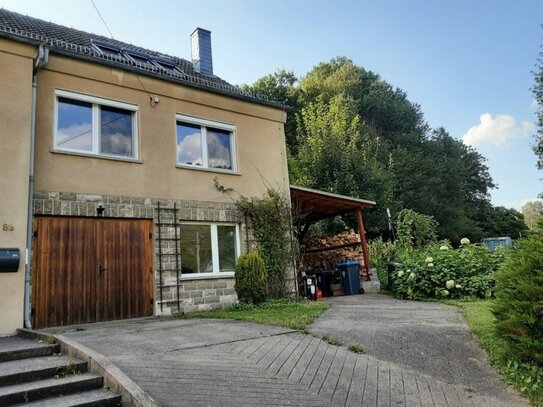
(91, 269)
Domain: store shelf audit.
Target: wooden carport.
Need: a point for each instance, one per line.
(311, 205)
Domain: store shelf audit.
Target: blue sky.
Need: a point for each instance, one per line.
(467, 63)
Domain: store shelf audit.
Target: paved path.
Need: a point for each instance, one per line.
(229, 363)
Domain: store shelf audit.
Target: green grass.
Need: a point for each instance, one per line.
(357, 349)
(289, 314)
(331, 341)
(525, 377)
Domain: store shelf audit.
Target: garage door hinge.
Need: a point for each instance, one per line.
(150, 235)
(151, 301)
(35, 234)
(151, 270)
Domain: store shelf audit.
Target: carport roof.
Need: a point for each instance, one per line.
(313, 205)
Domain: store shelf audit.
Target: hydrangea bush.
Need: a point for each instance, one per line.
(438, 271)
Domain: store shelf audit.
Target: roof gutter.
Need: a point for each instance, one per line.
(41, 60)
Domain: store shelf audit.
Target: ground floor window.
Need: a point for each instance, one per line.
(208, 249)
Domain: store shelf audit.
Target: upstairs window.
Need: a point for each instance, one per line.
(205, 144)
(95, 126)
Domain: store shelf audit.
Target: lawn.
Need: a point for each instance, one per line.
(289, 314)
(525, 377)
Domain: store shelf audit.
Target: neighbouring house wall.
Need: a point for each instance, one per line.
(15, 113)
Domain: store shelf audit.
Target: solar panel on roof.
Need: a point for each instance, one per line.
(106, 47)
(168, 64)
(136, 56)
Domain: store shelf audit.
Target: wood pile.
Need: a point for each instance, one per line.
(323, 253)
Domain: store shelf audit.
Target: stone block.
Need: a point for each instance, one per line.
(67, 196)
(204, 307)
(93, 198)
(202, 285)
(65, 208)
(219, 284)
(196, 293)
(211, 300)
(210, 292)
(54, 196)
(228, 299)
(229, 291)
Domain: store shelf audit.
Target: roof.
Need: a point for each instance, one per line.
(314, 205)
(82, 45)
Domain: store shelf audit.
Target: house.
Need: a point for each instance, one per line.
(109, 155)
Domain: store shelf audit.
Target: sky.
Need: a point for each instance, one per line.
(468, 64)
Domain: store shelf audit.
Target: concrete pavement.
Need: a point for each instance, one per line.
(230, 363)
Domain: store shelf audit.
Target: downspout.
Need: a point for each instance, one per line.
(40, 61)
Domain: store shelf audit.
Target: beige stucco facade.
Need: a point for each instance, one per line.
(73, 184)
(15, 111)
(260, 145)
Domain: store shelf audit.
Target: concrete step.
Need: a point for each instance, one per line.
(92, 398)
(15, 347)
(37, 368)
(40, 389)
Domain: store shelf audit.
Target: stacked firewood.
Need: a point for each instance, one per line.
(323, 253)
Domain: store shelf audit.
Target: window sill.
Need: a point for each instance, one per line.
(216, 170)
(103, 157)
(207, 276)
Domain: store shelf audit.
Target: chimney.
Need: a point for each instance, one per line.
(201, 51)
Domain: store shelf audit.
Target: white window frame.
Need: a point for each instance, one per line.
(204, 124)
(214, 251)
(96, 103)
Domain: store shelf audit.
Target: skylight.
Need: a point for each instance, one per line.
(106, 47)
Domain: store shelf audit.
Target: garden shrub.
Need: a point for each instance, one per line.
(442, 272)
(382, 253)
(519, 298)
(415, 229)
(271, 222)
(251, 278)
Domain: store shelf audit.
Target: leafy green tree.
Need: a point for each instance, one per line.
(519, 298)
(533, 212)
(537, 90)
(352, 133)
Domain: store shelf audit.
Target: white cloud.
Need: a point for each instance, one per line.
(496, 130)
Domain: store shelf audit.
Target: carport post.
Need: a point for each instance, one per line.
(363, 242)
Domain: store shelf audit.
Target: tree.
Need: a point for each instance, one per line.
(537, 90)
(352, 133)
(533, 212)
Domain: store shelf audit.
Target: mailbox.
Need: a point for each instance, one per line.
(9, 260)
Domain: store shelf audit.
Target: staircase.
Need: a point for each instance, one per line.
(33, 373)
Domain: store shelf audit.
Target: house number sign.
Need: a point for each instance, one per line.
(7, 227)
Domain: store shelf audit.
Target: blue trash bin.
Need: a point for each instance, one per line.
(349, 272)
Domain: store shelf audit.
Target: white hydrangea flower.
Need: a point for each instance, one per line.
(412, 276)
(457, 286)
(409, 291)
(400, 273)
(449, 284)
(445, 293)
(464, 241)
(444, 247)
(429, 259)
(430, 264)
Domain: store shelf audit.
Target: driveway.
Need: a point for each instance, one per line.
(230, 363)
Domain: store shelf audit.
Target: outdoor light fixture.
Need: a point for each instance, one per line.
(100, 210)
